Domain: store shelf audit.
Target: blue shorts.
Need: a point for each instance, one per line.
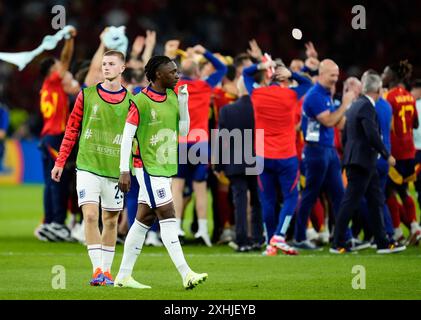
(193, 172)
(188, 188)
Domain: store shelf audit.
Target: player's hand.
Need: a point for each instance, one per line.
(199, 49)
(171, 47)
(138, 45)
(310, 50)
(282, 73)
(150, 39)
(73, 32)
(190, 53)
(56, 173)
(124, 182)
(312, 63)
(266, 65)
(101, 36)
(348, 98)
(183, 89)
(217, 174)
(255, 50)
(391, 161)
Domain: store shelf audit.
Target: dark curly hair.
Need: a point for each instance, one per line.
(153, 65)
(402, 70)
(45, 65)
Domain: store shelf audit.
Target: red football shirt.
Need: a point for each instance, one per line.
(275, 113)
(200, 93)
(299, 140)
(405, 118)
(221, 98)
(54, 105)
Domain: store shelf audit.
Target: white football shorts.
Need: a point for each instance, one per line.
(91, 188)
(153, 191)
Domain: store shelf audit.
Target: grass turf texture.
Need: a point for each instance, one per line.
(26, 267)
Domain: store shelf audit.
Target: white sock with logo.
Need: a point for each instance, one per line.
(132, 248)
(171, 242)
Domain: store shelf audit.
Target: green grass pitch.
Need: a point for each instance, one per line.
(26, 267)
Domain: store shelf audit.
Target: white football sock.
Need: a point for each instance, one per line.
(414, 226)
(170, 239)
(95, 253)
(397, 233)
(178, 224)
(203, 226)
(132, 248)
(107, 257)
(285, 225)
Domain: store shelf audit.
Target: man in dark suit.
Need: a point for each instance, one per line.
(238, 117)
(362, 145)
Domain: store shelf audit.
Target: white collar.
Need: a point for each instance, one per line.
(371, 100)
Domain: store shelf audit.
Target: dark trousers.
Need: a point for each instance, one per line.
(240, 184)
(323, 172)
(55, 193)
(361, 182)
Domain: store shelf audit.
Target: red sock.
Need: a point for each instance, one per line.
(318, 215)
(393, 205)
(409, 211)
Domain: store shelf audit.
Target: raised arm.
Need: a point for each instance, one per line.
(94, 74)
(171, 47)
(304, 84)
(67, 53)
(150, 42)
(331, 119)
(220, 68)
(137, 47)
(248, 73)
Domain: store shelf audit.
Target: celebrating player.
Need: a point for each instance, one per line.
(155, 122)
(57, 86)
(274, 111)
(405, 118)
(99, 116)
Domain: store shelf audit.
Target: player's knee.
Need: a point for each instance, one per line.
(148, 220)
(165, 212)
(90, 218)
(110, 222)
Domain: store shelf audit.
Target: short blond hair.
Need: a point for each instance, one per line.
(115, 53)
